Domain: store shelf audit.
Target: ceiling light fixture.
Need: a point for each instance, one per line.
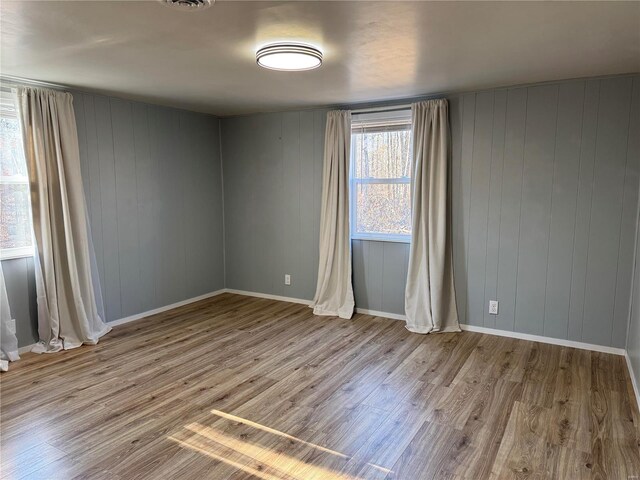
(289, 57)
(188, 5)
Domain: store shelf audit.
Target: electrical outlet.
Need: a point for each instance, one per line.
(287, 279)
(493, 307)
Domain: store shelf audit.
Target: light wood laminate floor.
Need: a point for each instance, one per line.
(236, 387)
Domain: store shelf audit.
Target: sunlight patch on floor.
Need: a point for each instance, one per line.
(270, 462)
(227, 461)
(249, 423)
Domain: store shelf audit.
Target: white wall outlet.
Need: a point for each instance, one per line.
(493, 307)
(287, 279)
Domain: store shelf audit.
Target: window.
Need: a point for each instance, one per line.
(15, 214)
(381, 176)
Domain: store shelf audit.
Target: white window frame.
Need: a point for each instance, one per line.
(8, 108)
(397, 116)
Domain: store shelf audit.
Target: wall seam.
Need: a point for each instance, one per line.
(466, 257)
(575, 217)
(224, 232)
(633, 272)
(155, 206)
(593, 181)
(486, 237)
(624, 188)
(103, 284)
(115, 188)
(635, 251)
(135, 169)
(524, 146)
(553, 182)
(504, 146)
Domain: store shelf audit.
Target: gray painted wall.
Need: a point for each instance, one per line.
(545, 186)
(379, 275)
(633, 339)
(545, 183)
(633, 335)
(153, 184)
(273, 176)
(21, 290)
(272, 184)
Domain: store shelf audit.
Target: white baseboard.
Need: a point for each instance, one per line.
(148, 313)
(393, 316)
(140, 316)
(469, 328)
(541, 339)
(269, 296)
(633, 379)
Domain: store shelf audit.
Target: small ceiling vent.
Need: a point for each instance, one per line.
(188, 5)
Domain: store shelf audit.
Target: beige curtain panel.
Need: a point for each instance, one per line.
(334, 291)
(69, 302)
(8, 340)
(430, 300)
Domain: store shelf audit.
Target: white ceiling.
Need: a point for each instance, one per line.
(205, 60)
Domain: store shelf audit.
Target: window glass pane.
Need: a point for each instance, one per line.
(12, 161)
(382, 154)
(383, 208)
(15, 222)
(15, 218)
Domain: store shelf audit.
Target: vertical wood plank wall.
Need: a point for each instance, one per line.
(545, 191)
(563, 228)
(20, 281)
(633, 335)
(153, 184)
(273, 175)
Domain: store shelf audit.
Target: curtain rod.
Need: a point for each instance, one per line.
(17, 81)
(390, 108)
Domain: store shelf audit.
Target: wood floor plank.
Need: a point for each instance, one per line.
(523, 448)
(415, 462)
(235, 387)
(474, 455)
(570, 409)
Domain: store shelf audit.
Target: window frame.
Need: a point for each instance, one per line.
(8, 109)
(391, 116)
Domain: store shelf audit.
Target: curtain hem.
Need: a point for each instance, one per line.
(329, 313)
(89, 341)
(44, 347)
(433, 330)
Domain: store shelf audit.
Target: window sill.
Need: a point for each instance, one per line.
(382, 238)
(13, 253)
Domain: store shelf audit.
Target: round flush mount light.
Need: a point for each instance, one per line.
(188, 5)
(289, 57)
